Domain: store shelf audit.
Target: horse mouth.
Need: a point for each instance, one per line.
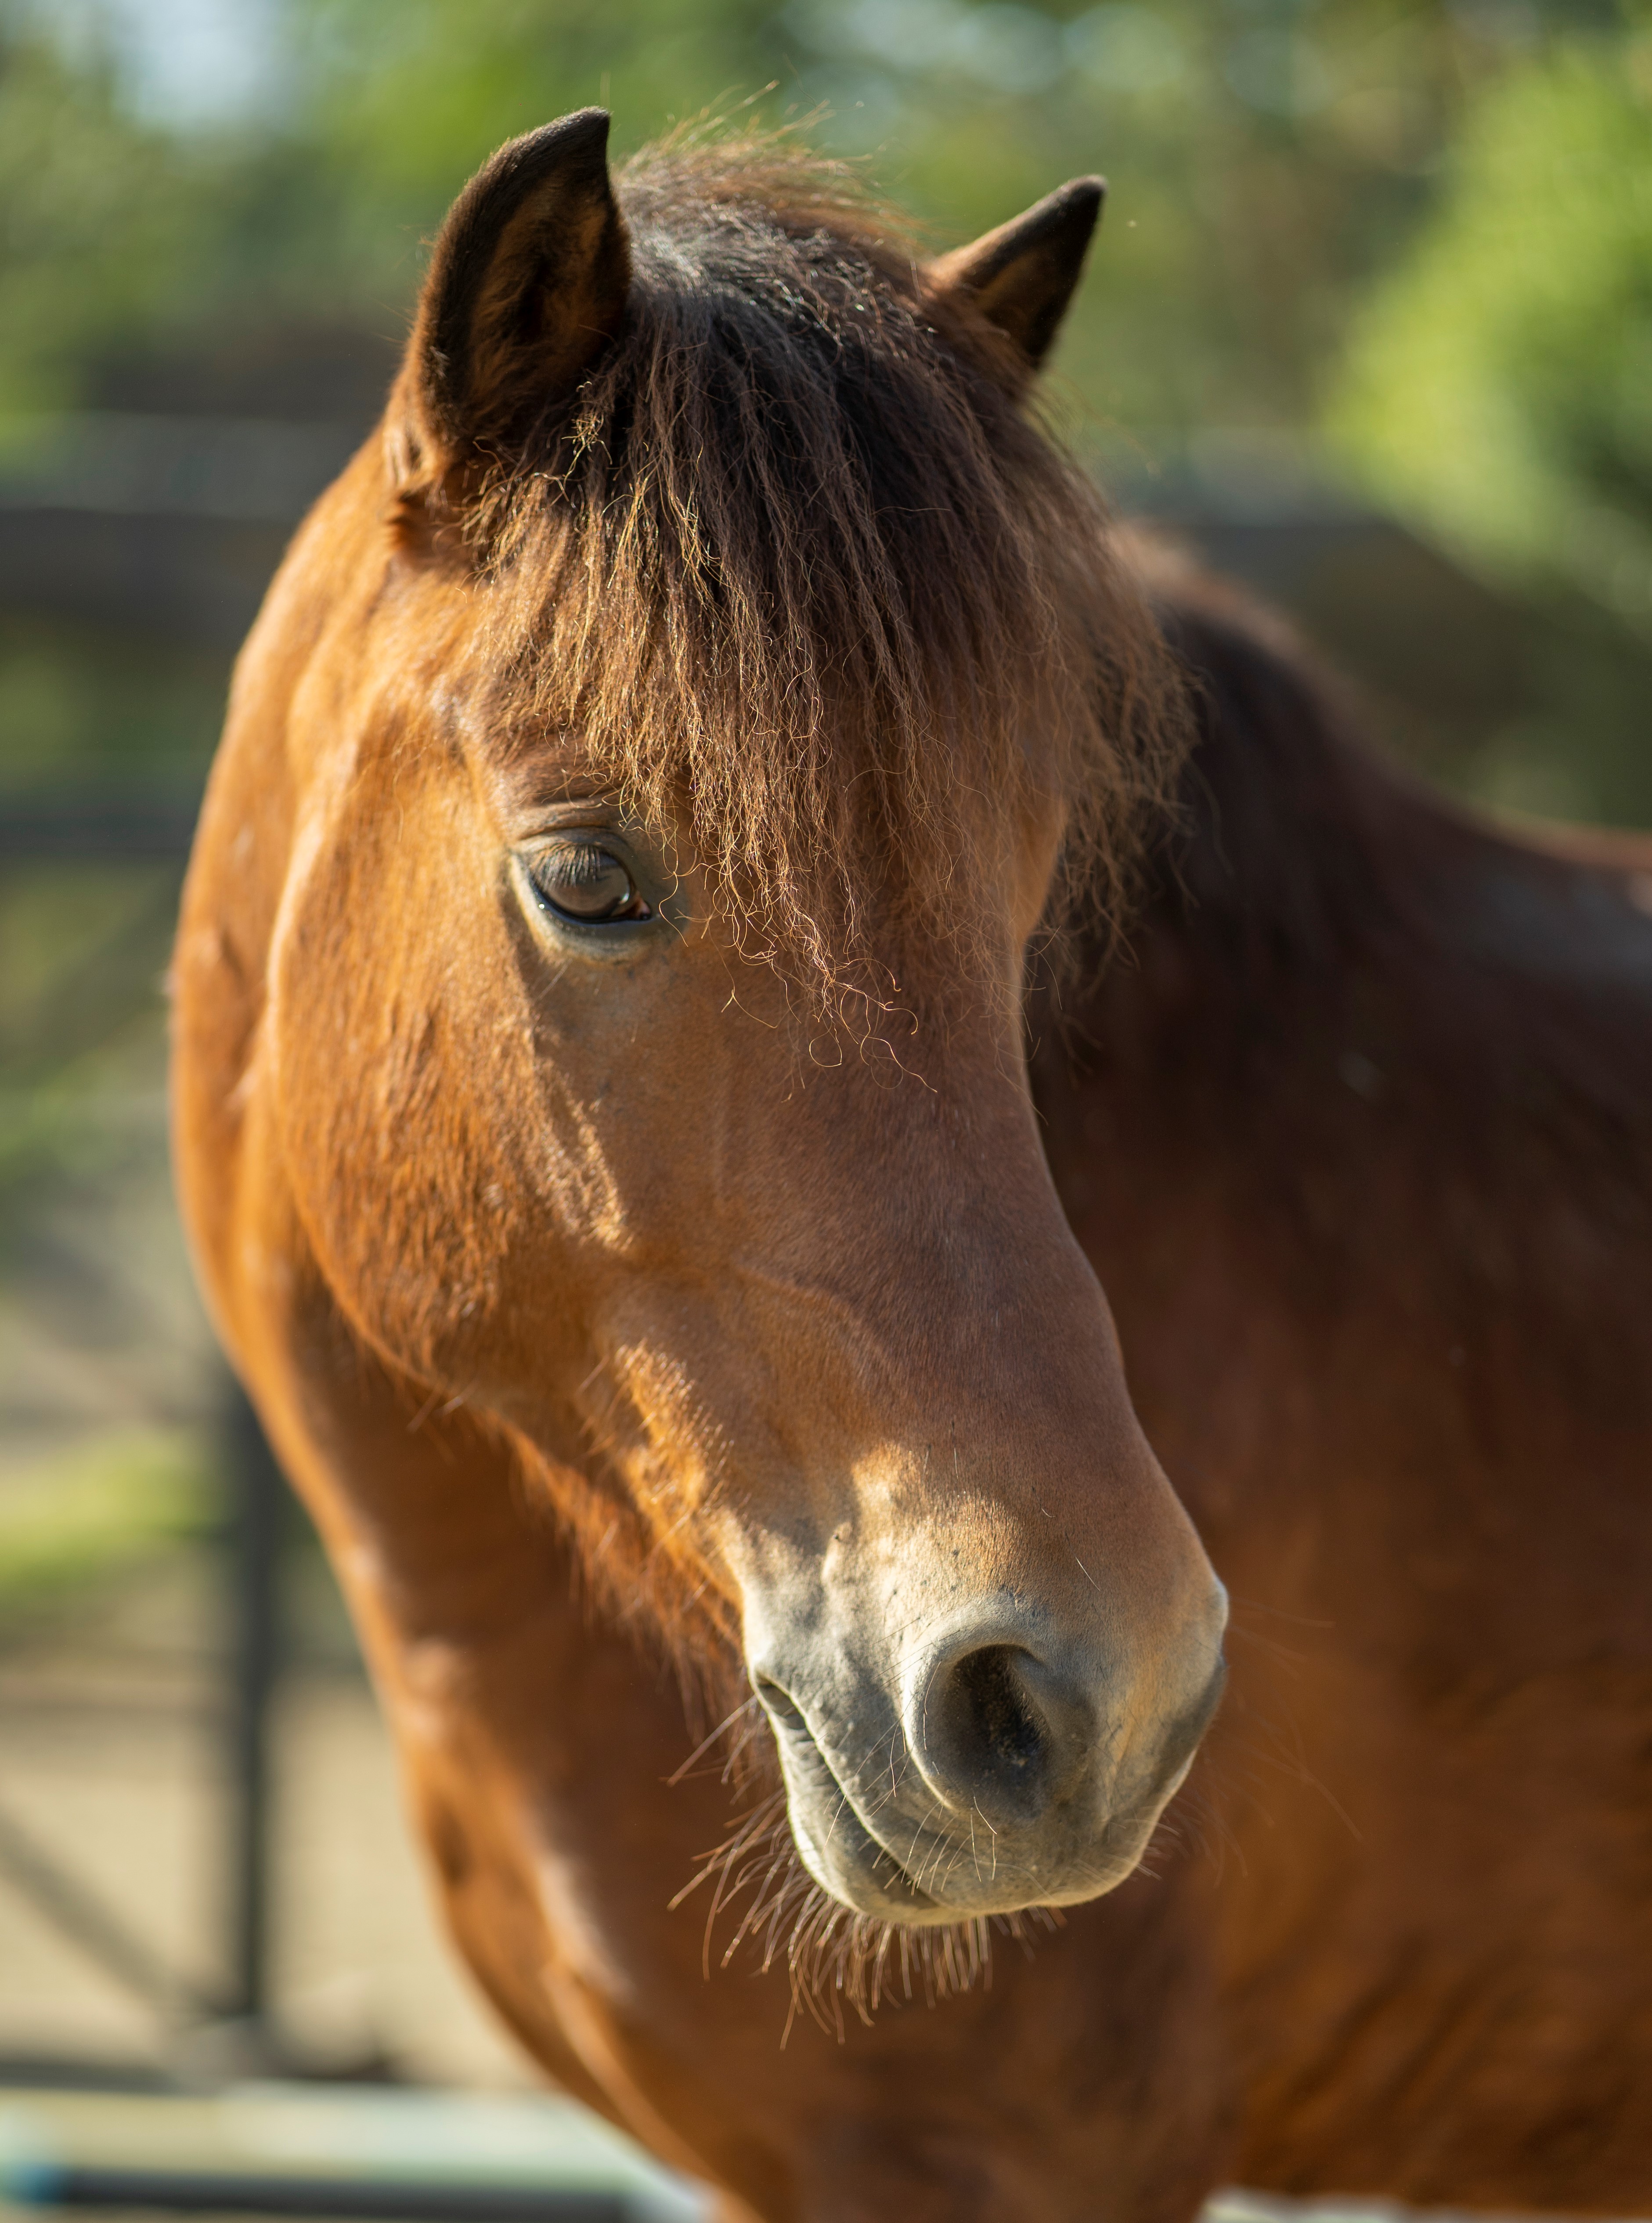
(843, 1851)
(848, 1859)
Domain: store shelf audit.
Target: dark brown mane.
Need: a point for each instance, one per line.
(797, 562)
(1305, 870)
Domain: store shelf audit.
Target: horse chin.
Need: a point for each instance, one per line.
(851, 1867)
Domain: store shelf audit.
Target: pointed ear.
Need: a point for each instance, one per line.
(526, 285)
(1021, 277)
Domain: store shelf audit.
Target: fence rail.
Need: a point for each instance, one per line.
(82, 825)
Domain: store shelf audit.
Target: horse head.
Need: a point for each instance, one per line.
(696, 706)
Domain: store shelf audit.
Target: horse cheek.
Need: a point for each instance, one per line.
(407, 1181)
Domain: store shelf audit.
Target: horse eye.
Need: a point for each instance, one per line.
(583, 881)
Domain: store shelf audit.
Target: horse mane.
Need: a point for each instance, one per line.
(794, 570)
(1306, 865)
(1343, 976)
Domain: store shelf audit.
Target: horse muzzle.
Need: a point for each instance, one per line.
(1004, 1766)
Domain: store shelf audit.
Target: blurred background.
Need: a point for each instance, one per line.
(1370, 321)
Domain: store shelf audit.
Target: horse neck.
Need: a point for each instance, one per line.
(1360, 1141)
(1369, 1062)
(1324, 927)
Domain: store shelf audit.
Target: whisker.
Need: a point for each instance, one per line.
(706, 1743)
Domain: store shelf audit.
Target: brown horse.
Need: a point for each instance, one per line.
(606, 1118)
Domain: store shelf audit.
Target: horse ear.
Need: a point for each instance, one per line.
(526, 285)
(1021, 277)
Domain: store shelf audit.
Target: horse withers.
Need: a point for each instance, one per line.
(604, 1122)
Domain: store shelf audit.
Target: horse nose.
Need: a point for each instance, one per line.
(1001, 1732)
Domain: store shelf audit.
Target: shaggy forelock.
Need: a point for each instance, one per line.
(798, 576)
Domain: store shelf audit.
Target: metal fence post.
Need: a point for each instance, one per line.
(257, 1493)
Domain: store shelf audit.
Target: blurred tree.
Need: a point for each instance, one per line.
(98, 220)
(1267, 157)
(122, 239)
(1499, 379)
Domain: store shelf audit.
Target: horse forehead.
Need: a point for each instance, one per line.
(524, 766)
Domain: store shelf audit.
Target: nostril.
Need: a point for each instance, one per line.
(1004, 1726)
(988, 1740)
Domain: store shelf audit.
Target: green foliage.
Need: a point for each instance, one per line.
(1267, 156)
(111, 706)
(98, 222)
(1499, 382)
(1264, 155)
(113, 1500)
